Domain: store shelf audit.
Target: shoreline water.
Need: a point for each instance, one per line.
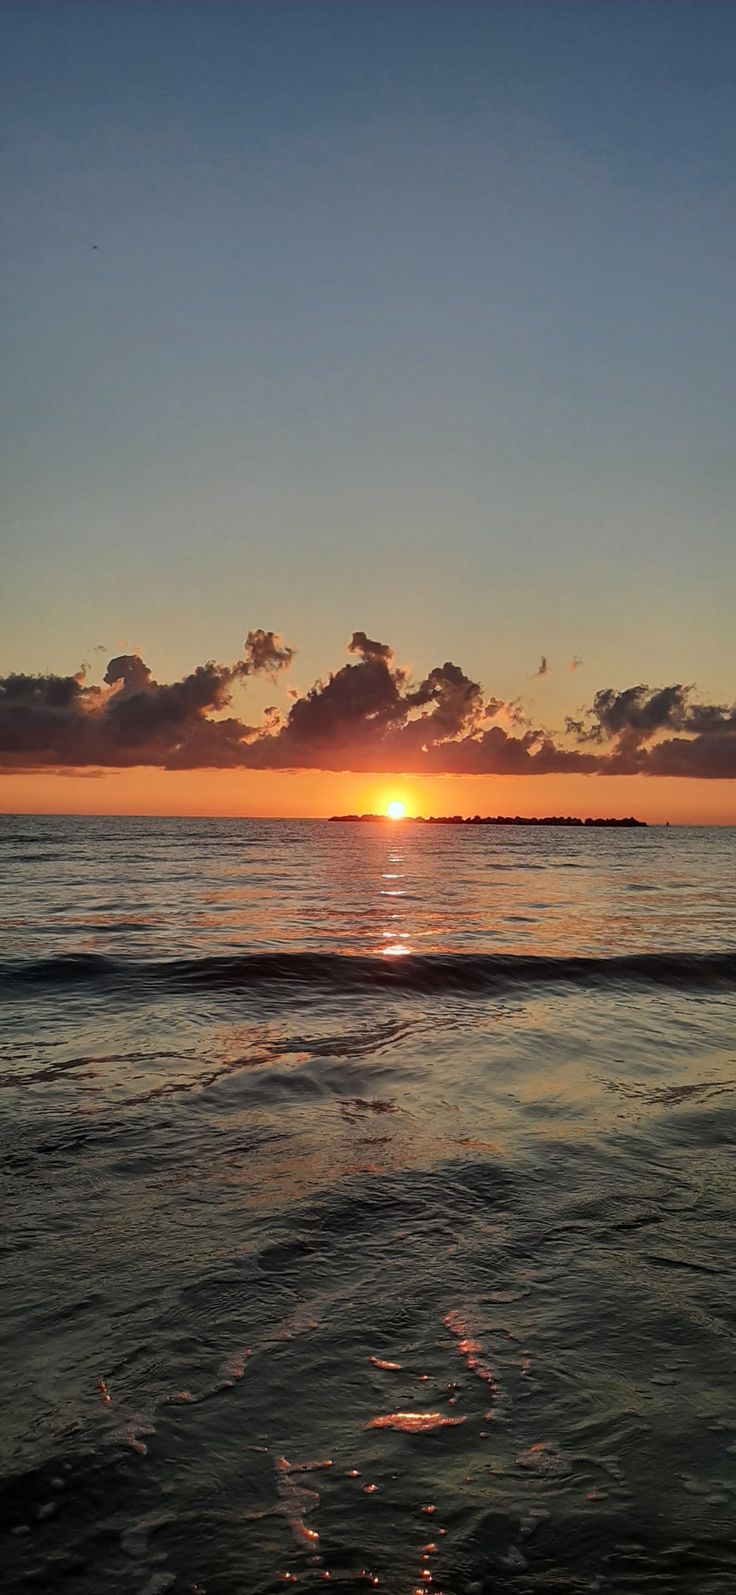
(413, 1160)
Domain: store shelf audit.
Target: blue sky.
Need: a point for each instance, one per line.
(416, 317)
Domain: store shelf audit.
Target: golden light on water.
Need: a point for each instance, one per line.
(395, 809)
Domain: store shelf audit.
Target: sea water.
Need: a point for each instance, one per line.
(369, 1208)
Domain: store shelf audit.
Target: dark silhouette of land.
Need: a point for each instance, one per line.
(488, 819)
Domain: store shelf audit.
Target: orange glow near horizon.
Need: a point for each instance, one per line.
(317, 794)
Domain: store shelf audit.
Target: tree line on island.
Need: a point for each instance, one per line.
(490, 819)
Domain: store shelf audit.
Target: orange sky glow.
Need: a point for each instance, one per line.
(317, 794)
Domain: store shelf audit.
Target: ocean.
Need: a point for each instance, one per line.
(369, 1208)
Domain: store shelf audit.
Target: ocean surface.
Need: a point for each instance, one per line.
(369, 1208)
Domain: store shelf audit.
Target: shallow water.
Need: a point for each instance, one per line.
(284, 1104)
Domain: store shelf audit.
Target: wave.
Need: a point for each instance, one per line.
(337, 972)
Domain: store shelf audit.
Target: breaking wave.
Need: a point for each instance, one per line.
(334, 972)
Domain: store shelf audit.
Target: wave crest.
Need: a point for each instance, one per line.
(336, 972)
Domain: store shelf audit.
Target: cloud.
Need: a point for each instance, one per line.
(710, 756)
(637, 714)
(631, 724)
(266, 651)
(509, 711)
(543, 667)
(368, 715)
(370, 650)
(132, 718)
(129, 674)
(457, 702)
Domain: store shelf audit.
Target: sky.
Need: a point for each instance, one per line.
(405, 319)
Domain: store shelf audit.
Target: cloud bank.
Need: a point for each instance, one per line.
(369, 715)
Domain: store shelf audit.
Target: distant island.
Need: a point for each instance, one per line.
(487, 819)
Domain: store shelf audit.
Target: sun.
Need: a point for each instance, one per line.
(396, 810)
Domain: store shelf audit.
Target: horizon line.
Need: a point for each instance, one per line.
(322, 819)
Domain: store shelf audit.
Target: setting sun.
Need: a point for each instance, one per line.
(396, 810)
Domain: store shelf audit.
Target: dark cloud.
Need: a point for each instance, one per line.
(638, 713)
(355, 707)
(457, 702)
(710, 756)
(370, 650)
(706, 719)
(132, 718)
(129, 674)
(631, 725)
(366, 716)
(150, 712)
(267, 652)
(41, 693)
